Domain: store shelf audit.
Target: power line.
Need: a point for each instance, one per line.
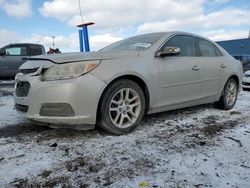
(80, 9)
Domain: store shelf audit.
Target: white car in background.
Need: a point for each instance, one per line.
(246, 81)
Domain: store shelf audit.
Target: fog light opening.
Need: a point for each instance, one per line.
(57, 109)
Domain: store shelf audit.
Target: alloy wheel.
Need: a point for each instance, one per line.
(125, 108)
(231, 93)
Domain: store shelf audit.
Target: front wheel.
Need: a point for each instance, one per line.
(122, 107)
(229, 95)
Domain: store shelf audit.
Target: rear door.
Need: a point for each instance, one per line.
(10, 62)
(214, 67)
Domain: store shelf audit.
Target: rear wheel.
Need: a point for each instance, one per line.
(229, 95)
(121, 107)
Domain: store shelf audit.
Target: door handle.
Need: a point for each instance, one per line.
(195, 68)
(223, 66)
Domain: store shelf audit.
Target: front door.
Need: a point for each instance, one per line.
(180, 75)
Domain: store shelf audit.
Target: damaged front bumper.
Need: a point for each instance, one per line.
(70, 102)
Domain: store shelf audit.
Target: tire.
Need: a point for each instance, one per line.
(229, 95)
(121, 108)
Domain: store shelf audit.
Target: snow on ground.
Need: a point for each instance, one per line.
(194, 147)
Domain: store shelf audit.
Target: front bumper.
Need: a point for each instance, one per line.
(246, 82)
(82, 94)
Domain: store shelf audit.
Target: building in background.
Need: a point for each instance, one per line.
(237, 46)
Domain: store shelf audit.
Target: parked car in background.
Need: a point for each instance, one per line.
(13, 56)
(114, 87)
(246, 81)
(244, 59)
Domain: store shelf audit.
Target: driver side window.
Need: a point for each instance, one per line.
(16, 51)
(185, 43)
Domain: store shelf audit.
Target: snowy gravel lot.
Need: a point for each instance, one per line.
(194, 147)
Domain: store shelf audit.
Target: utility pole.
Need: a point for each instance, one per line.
(249, 34)
(84, 36)
(83, 32)
(53, 42)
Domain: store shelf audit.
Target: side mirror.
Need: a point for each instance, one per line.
(168, 51)
(2, 53)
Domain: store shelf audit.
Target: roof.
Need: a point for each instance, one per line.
(21, 44)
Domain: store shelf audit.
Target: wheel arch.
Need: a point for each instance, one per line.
(220, 103)
(136, 79)
(236, 78)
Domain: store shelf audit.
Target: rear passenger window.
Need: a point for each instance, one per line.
(207, 49)
(185, 43)
(35, 50)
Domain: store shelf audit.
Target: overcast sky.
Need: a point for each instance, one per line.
(37, 20)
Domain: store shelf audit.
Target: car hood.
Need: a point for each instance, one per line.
(80, 56)
(49, 60)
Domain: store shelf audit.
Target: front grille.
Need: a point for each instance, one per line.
(22, 89)
(21, 108)
(246, 83)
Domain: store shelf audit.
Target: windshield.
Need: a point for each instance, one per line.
(137, 43)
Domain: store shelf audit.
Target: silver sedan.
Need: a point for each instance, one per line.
(114, 87)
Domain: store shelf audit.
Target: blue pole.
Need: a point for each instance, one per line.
(86, 38)
(81, 41)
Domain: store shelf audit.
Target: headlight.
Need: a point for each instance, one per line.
(69, 70)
